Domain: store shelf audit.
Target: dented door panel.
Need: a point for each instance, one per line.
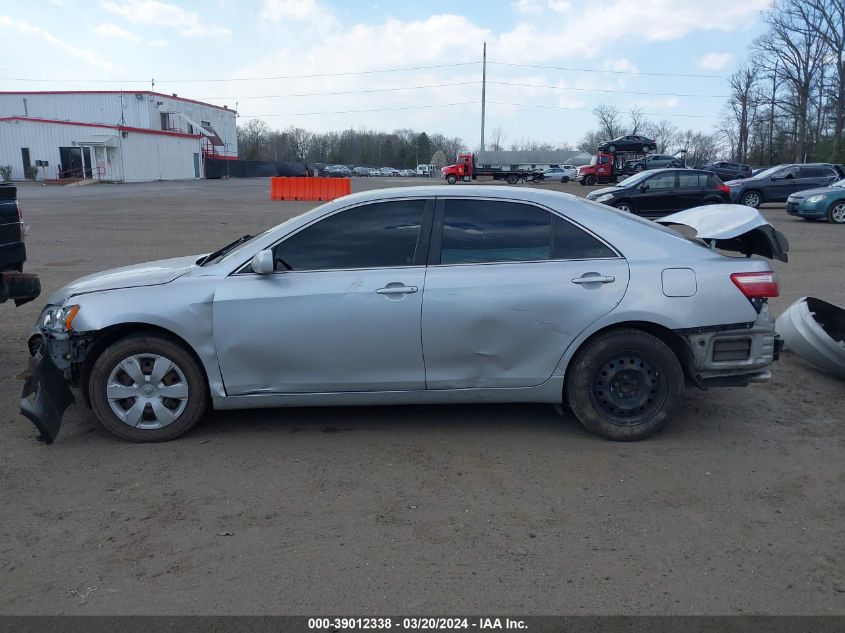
(320, 331)
(507, 324)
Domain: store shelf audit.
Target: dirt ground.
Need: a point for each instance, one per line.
(737, 507)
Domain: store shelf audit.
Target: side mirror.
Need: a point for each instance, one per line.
(262, 262)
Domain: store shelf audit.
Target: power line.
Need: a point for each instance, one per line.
(217, 79)
(532, 105)
(417, 107)
(627, 92)
(612, 72)
(345, 92)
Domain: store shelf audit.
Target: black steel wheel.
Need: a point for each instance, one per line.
(625, 385)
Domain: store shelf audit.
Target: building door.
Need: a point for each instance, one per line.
(196, 165)
(26, 163)
(86, 154)
(71, 166)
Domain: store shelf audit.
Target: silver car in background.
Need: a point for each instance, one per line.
(420, 295)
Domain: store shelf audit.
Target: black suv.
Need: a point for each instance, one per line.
(777, 183)
(729, 171)
(14, 283)
(660, 192)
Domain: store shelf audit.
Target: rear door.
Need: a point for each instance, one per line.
(692, 189)
(815, 176)
(508, 288)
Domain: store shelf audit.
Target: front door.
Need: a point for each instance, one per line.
(658, 195)
(508, 289)
(71, 158)
(26, 161)
(342, 312)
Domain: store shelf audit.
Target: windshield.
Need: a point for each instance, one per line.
(633, 180)
(230, 249)
(594, 160)
(767, 172)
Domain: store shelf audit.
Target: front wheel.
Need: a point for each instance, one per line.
(752, 199)
(451, 179)
(638, 168)
(625, 385)
(590, 181)
(611, 149)
(624, 206)
(564, 180)
(147, 388)
(836, 213)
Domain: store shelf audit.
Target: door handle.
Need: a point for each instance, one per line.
(594, 279)
(397, 290)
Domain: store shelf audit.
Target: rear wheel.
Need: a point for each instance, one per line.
(512, 179)
(564, 179)
(147, 388)
(451, 179)
(625, 385)
(611, 148)
(836, 213)
(639, 168)
(752, 199)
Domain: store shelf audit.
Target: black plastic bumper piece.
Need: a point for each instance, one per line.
(22, 287)
(45, 397)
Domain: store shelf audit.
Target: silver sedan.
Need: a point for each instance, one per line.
(420, 295)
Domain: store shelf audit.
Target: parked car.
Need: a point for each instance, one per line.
(387, 171)
(564, 173)
(336, 171)
(629, 143)
(15, 284)
(407, 173)
(662, 191)
(826, 203)
(374, 172)
(654, 161)
(729, 171)
(503, 294)
(776, 184)
(361, 171)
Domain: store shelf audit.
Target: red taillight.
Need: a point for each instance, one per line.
(724, 188)
(757, 285)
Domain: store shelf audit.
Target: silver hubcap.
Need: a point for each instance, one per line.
(147, 391)
(752, 200)
(838, 213)
(624, 207)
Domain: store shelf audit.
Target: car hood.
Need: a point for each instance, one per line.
(147, 274)
(733, 227)
(600, 192)
(809, 192)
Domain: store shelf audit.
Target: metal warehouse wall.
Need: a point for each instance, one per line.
(137, 157)
(139, 109)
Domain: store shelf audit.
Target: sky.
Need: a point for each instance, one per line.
(331, 64)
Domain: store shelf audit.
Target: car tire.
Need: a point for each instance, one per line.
(160, 418)
(624, 206)
(611, 148)
(638, 168)
(625, 385)
(590, 181)
(512, 179)
(836, 213)
(564, 180)
(451, 179)
(752, 199)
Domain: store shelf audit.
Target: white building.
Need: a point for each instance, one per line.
(125, 136)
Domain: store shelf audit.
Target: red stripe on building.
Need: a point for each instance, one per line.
(121, 128)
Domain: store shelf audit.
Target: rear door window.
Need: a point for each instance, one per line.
(691, 180)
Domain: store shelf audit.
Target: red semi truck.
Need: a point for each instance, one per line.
(468, 168)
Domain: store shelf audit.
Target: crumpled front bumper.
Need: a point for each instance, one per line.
(45, 396)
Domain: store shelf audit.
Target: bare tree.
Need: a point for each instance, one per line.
(497, 139)
(793, 49)
(638, 120)
(743, 104)
(608, 120)
(832, 14)
(664, 133)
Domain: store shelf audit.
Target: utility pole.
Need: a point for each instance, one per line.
(772, 117)
(483, 92)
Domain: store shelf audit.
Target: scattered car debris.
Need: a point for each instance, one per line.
(815, 330)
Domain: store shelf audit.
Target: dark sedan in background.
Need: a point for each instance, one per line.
(629, 143)
(729, 171)
(776, 184)
(662, 191)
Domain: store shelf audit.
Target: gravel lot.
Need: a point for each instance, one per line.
(736, 508)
